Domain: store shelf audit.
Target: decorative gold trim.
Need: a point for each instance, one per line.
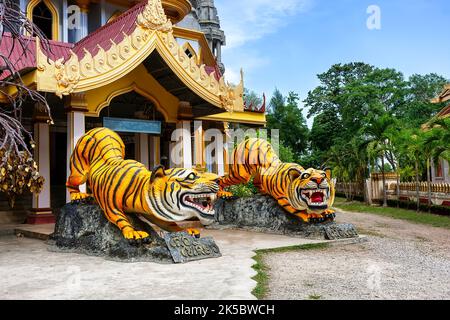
(54, 12)
(237, 117)
(153, 32)
(205, 54)
(154, 18)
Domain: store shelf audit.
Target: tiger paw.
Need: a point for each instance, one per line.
(329, 214)
(79, 197)
(135, 237)
(225, 195)
(303, 216)
(193, 232)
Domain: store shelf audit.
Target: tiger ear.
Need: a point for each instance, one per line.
(158, 172)
(328, 172)
(294, 174)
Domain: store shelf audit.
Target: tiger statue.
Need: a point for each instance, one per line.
(120, 186)
(307, 194)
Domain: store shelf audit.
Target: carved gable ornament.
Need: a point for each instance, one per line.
(154, 18)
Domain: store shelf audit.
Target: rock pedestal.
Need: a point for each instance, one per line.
(263, 214)
(83, 228)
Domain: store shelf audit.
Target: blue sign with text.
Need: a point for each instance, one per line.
(132, 125)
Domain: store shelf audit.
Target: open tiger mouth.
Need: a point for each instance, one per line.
(203, 202)
(316, 198)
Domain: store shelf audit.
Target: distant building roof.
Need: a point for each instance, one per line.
(444, 112)
(444, 96)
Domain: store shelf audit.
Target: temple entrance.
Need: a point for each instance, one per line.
(139, 145)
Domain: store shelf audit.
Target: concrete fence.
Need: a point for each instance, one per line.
(372, 190)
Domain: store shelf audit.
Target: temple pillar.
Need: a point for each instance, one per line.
(226, 151)
(184, 137)
(218, 51)
(76, 107)
(220, 167)
(199, 145)
(41, 212)
(155, 151)
(142, 150)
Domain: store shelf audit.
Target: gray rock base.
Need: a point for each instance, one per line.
(83, 228)
(263, 214)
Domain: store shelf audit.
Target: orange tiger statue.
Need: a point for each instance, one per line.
(120, 186)
(308, 194)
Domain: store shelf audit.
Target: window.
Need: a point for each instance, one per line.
(42, 17)
(45, 16)
(188, 53)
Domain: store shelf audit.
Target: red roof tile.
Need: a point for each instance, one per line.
(25, 58)
(444, 112)
(125, 23)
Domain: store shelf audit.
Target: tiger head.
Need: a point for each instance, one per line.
(311, 190)
(182, 194)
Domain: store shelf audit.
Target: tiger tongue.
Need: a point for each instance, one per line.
(317, 197)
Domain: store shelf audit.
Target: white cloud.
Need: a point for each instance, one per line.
(247, 20)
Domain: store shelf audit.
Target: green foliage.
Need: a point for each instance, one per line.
(286, 154)
(369, 119)
(252, 98)
(284, 114)
(421, 90)
(365, 119)
(243, 190)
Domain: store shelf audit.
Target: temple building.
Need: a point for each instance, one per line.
(141, 68)
(440, 172)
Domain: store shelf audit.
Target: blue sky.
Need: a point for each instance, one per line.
(286, 43)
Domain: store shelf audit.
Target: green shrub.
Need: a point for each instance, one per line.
(243, 190)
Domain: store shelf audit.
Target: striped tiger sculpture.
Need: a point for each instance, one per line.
(120, 186)
(307, 194)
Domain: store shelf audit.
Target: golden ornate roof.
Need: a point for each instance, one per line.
(109, 54)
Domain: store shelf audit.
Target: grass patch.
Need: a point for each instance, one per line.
(402, 214)
(314, 297)
(262, 277)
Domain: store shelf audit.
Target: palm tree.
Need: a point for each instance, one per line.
(398, 139)
(436, 144)
(377, 133)
(414, 147)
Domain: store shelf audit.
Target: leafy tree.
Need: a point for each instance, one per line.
(284, 114)
(418, 108)
(325, 130)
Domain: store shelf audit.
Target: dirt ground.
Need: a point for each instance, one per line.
(401, 260)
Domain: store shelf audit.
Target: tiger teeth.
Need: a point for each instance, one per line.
(202, 202)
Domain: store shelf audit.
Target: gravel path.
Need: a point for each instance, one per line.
(401, 260)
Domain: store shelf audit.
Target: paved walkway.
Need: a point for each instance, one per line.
(29, 271)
